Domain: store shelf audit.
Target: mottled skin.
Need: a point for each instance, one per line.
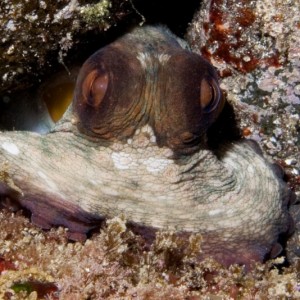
(148, 78)
(136, 146)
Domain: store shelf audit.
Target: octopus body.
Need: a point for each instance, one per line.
(135, 144)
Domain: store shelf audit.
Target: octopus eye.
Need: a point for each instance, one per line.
(210, 96)
(94, 88)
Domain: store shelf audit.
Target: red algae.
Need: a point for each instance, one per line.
(227, 36)
(6, 265)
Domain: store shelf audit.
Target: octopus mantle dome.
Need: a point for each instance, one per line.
(135, 144)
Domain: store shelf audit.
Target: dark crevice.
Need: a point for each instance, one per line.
(224, 130)
(175, 14)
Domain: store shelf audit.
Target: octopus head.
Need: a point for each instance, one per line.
(131, 83)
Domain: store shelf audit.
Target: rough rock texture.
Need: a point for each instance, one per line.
(115, 265)
(37, 35)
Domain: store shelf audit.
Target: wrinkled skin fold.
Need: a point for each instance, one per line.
(146, 158)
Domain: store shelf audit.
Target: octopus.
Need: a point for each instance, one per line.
(135, 143)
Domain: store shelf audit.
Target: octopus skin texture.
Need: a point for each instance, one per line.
(134, 143)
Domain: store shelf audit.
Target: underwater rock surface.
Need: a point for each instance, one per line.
(38, 35)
